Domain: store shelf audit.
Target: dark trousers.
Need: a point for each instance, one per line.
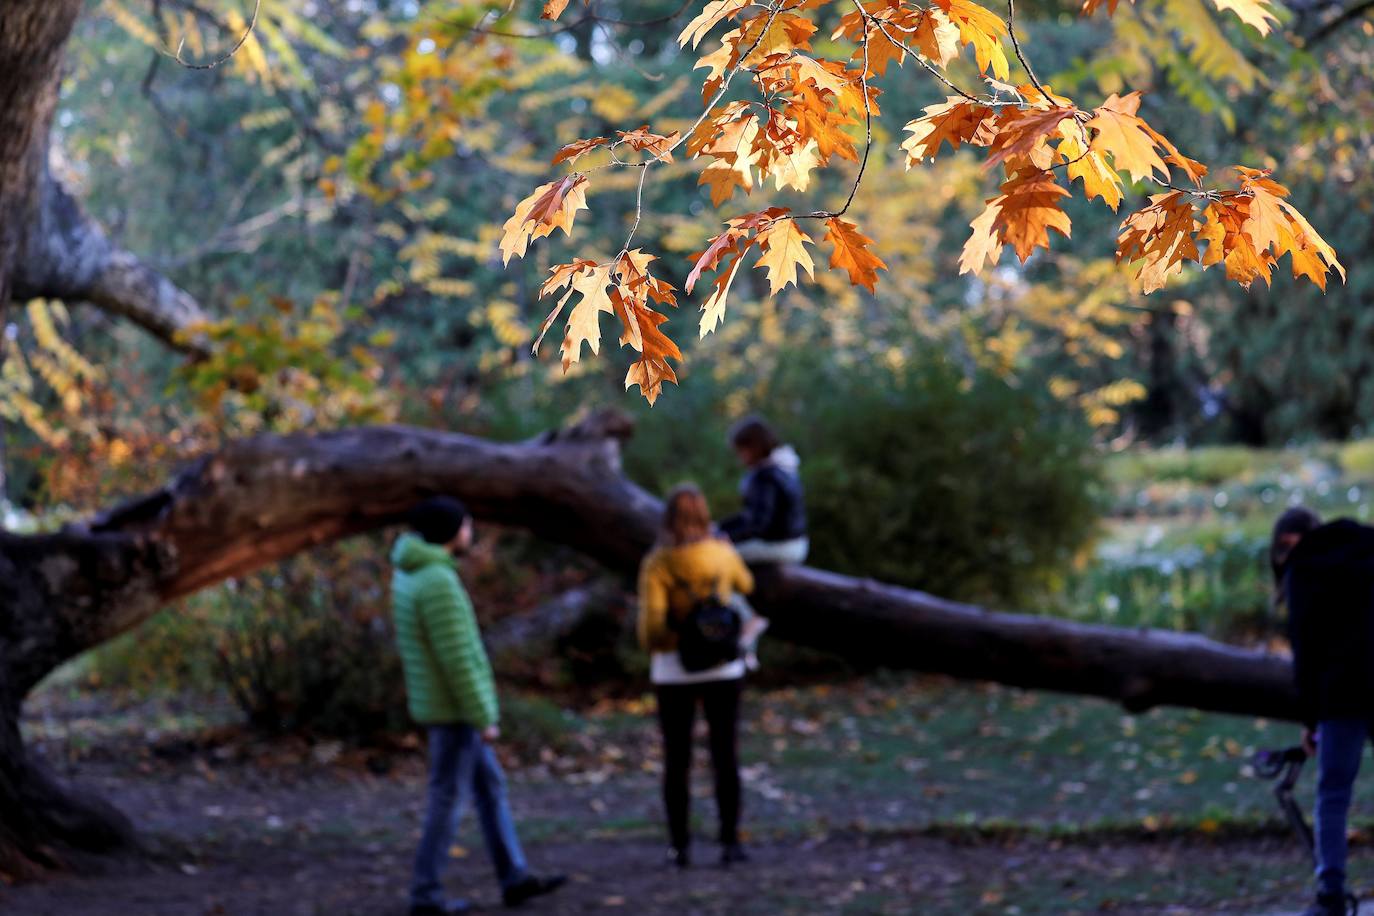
(677, 704)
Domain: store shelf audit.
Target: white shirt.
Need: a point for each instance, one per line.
(666, 668)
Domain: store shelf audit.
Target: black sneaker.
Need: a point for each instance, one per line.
(452, 908)
(1327, 905)
(679, 858)
(732, 854)
(532, 886)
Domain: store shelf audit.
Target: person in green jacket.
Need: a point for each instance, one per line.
(451, 693)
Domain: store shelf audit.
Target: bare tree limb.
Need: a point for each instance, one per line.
(67, 255)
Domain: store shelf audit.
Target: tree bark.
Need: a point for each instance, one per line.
(257, 501)
(33, 34)
(48, 245)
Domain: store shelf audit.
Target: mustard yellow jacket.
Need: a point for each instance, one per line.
(672, 578)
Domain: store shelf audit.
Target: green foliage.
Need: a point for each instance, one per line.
(305, 647)
(1219, 587)
(1357, 459)
(970, 488)
(282, 369)
(1210, 466)
(308, 646)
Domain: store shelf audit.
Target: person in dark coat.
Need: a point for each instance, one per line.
(771, 526)
(1325, 575)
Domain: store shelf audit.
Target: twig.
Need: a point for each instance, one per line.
(590, 16)
(929, 67)
(243, 39)
(1016, 46)
(706, 111)
(639, 208)
(868, 129)
(1330, 28)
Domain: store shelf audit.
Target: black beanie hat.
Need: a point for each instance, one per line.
(438, 519)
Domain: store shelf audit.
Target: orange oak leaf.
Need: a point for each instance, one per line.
(649, 374)
(784, 250)
(1088, 165)
(880, 32)
(1195, 170)
(1161, 236)
(712, 14)
(1227, 244)
(553, 9)
(955, 121)
(833, 80)
(583, 325)
(984, 246)
(935, 37)
(1313, 257)
(1018, 133)
(713, 309)
(643, 140)
(851, 253)
(1117, 130)
(1028, 209)
(551, 206)
(577, 149)
(717, 248)
(983, 29)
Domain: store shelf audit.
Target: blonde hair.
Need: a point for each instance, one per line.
(686, 516)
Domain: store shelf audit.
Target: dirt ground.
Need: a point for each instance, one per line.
(236, 825)
(239, 839)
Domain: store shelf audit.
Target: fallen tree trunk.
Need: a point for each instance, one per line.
(260, 500)
(901, 628)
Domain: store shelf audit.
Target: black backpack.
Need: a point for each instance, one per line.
(708, 634)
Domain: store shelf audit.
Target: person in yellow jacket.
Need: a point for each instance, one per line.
(691, 562)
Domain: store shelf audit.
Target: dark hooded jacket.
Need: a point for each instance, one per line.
(773, 506)
(1329, 585)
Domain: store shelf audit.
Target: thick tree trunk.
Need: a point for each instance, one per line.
(33, 34)
(260, 500)
(37, 817)
(48, 245)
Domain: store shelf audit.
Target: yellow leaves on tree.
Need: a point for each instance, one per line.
(807, 107)
(1256, 13)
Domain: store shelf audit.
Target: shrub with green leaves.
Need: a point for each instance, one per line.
(957, 483)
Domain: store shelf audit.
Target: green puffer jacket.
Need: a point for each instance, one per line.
(448, 676)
